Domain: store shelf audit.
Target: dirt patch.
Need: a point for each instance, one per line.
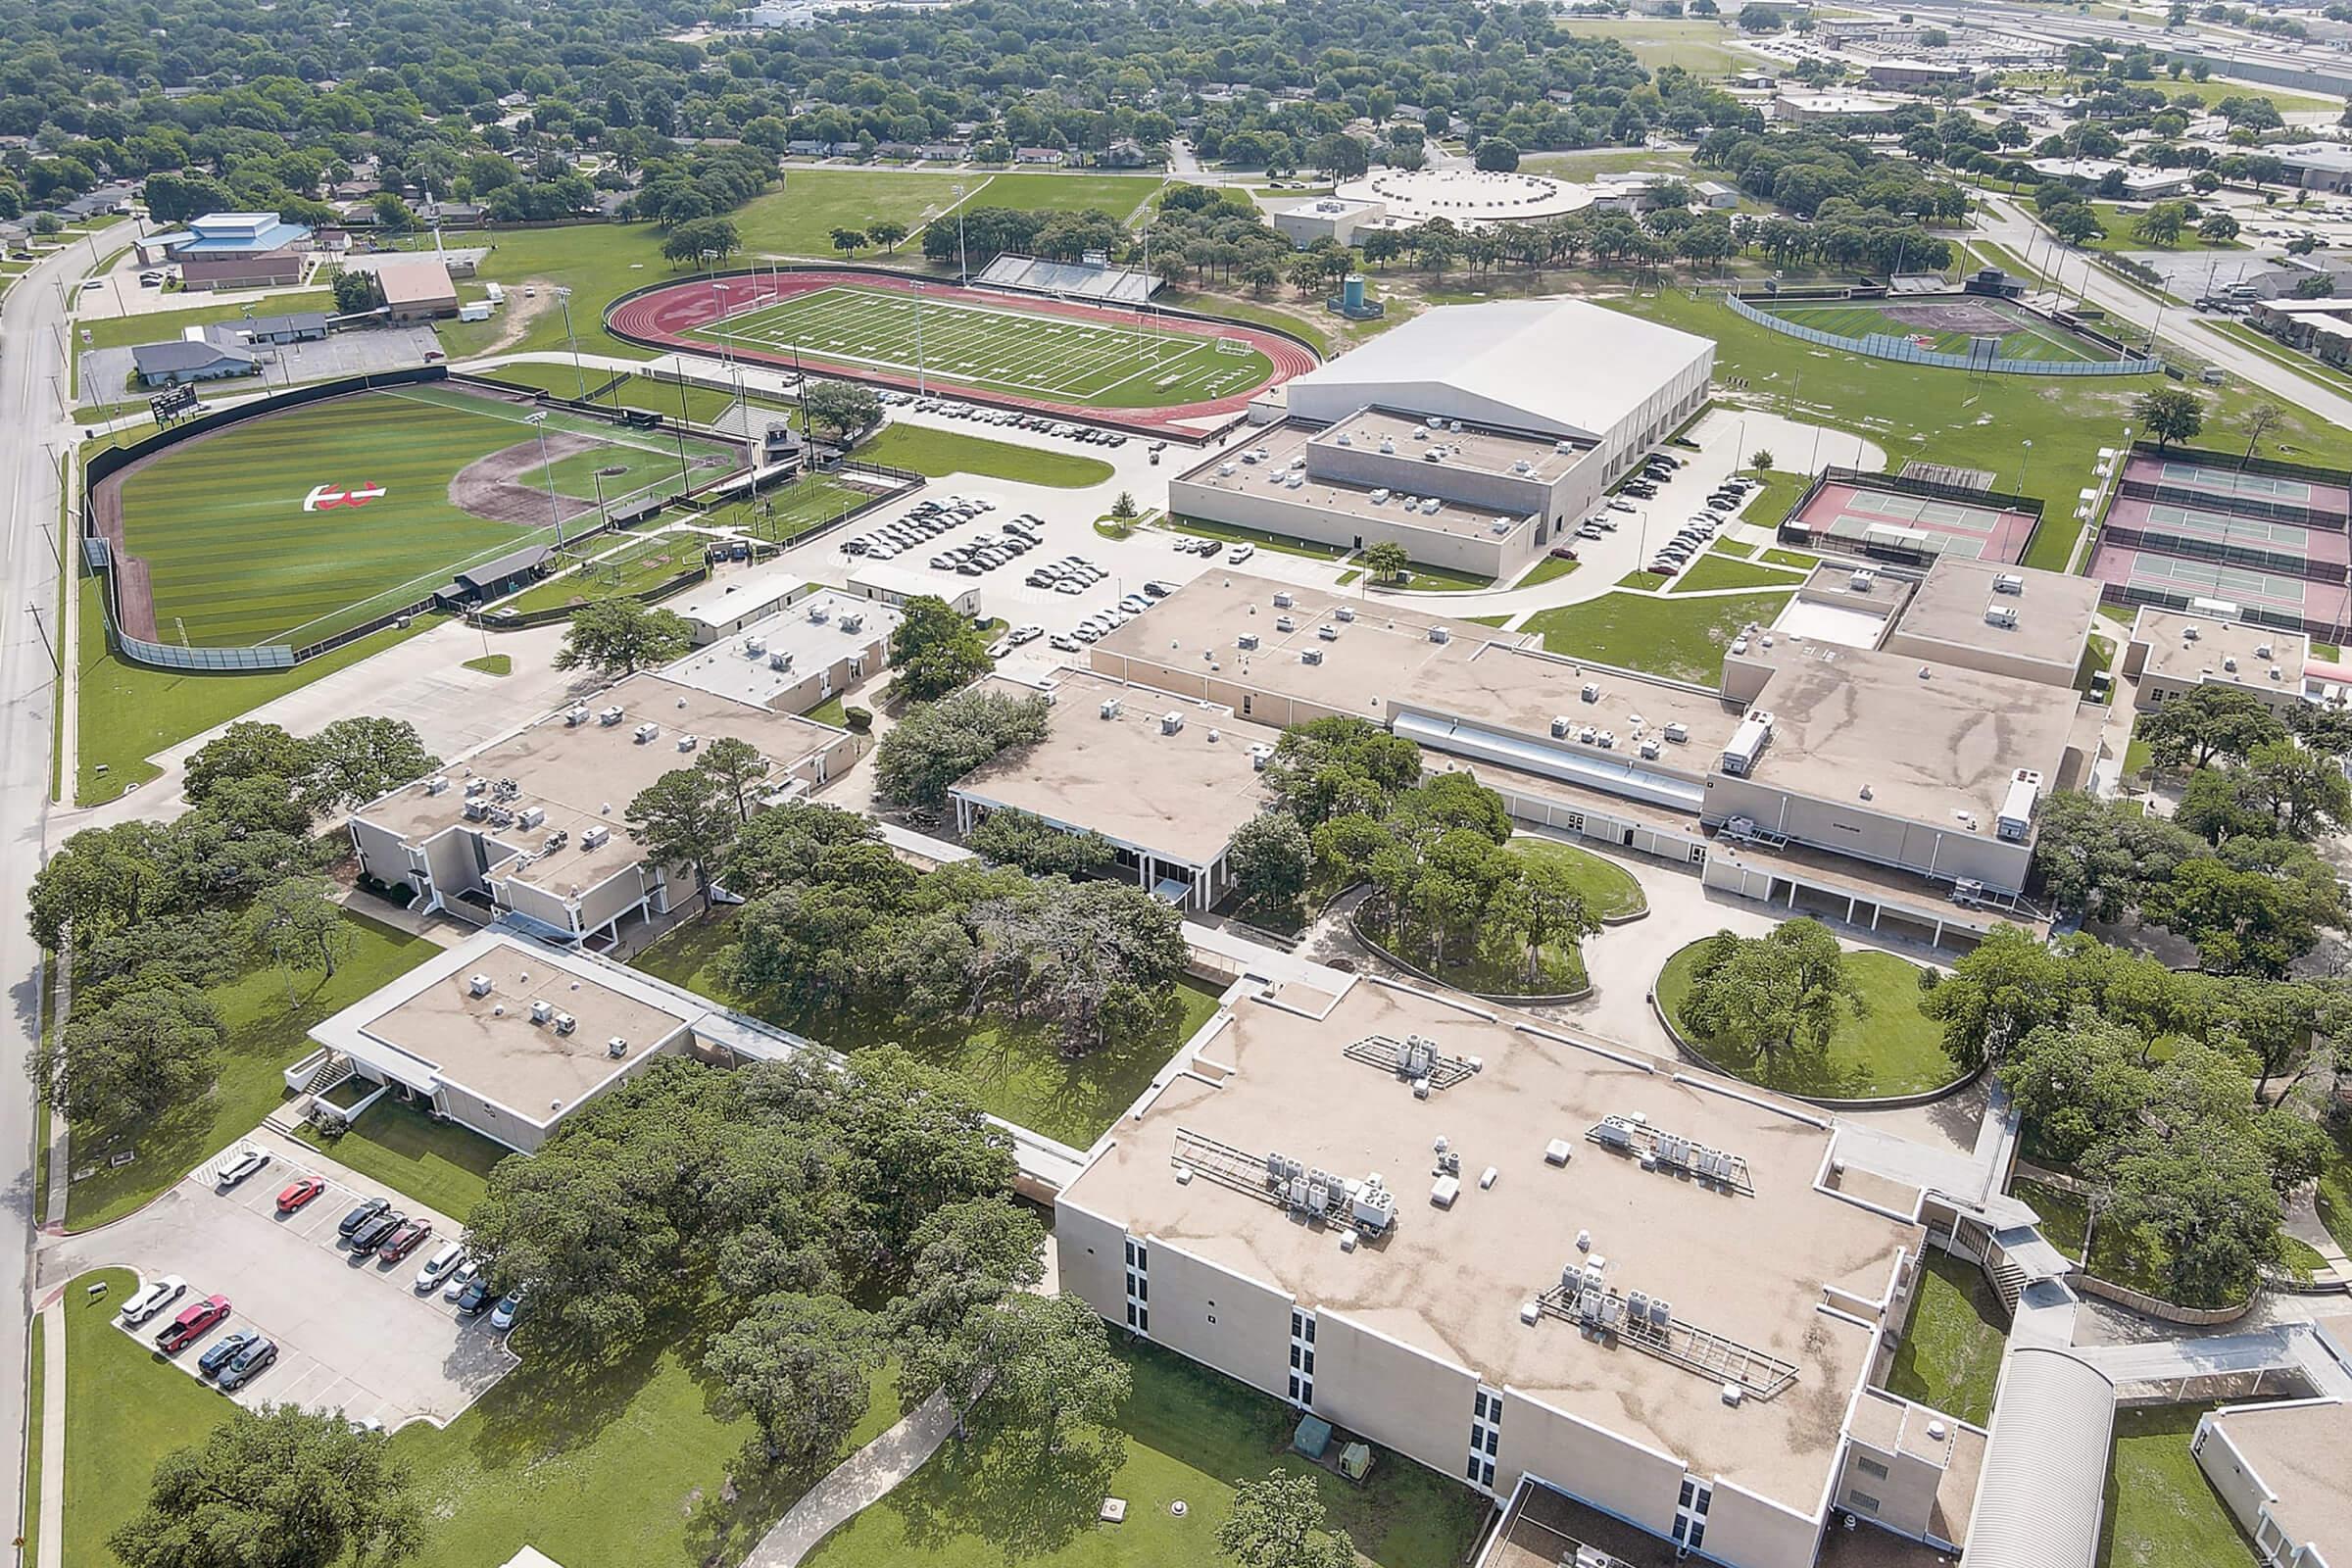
(518, 314)
(491, 487)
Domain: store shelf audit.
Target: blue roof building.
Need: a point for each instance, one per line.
(220, 235)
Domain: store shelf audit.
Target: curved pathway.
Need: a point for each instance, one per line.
(855, 1484)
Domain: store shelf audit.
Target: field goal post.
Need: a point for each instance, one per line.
(1234, 345)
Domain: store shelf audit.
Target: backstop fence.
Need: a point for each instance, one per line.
(1887, 346)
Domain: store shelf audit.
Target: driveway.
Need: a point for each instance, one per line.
(354, 1338)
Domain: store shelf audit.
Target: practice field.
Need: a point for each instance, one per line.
(1036, 352)
(1943, 326)
(288, 527)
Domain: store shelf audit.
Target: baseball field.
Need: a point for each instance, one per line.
(1945, 327)
(290, 527)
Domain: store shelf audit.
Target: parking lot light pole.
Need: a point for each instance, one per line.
(547, 467)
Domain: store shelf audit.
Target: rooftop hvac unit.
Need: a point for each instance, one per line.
(2000, 615)
(820, 612)
(531, 817)
(1110, 707)
(1171, 722)
(618, 1045)
(1259, 756)
(1343, 613)
(1247, 642)
(1438, 634)
(1310, 656)
(576, 716)
(646, 731)
(1285, 624)
(2016, 820)
(437, 785)
(1591, 691)
(1379, 498)
(565, 1023)
(779, 661)
(1561, 726)
(2189, 634)
(475, 786)
(687, 743)
(754, 646)
(475, 810)
(2262, 649)
(541, 1011)
(2230, 662)
(595, 837)
(477, 985)
(852, 620)
(1563, 446)
(1224, 471)
(1650, 750)
(2008, 582)
(1677, 733)
(1746, 743)
(1860, 582)
(608, 716)
(1328, 632)
(2276, 673)
(1283, 600)
(1429, 507)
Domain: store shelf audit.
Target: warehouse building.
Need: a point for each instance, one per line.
(1167, 779)
(1457, 436)
(533, 828)
(1331, 218)
(1505, 1255)
(417, 291)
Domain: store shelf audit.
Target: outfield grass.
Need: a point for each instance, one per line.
(234, 560)
(1713, 570)
(993, 344)
(1012, 1070)
(437, 1163)
(1891, 1048)
(1548, 569)
(128, 713)
(936, 454)
(1608, 888)
(1682, 640)
(2161, 1513)
(163, 327)
(1949, 417)
(1190, 1435)
(268, 1012)
(1950, 1355)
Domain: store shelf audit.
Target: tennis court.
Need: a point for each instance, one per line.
(1865, 516)
(2240, 492)
(2272, 598)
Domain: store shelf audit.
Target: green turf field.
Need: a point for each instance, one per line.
(996, 347)
(235, 560)
(2026, 339)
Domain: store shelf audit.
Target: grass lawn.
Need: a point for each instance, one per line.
(2262, 343)
(832, 710)
(1890, 1049)
(938, 453)
(637, 564)
(492, 664)
(800, 218)
(2335, 1184)
(1712, 570)
(2118, 237)
(1790, 557)
(269, 1030)
(163, 327)
(1947, 416)
(437, 1163)
(1422, 579)
(1012, 1070)
(596, 261)
(1736, 549)
(1547, 570)
(2160, 1510)
(1190, 1435)
(1702, 48)
(36, 1379)
(1644, 579)
(1487, 620)
(2025, 337)
(2098, 654)
(1232, 533)
(1494, 965)
(1683, 641)
(700, 405)
(1609, 890)
(1119, 195)
(1950, 1355)
(2300, 1258)
(1781, 491)
(128, 713)
(2065, 1215)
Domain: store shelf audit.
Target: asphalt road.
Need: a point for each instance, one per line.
(31, 435)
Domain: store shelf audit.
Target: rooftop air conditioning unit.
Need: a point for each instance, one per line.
(2000, 615)
(1260, 757)
(1110, 707)
(1283, 600)
(437, 785)
(608, 716)
(646, 731)
(531, 817)
(1677, 733)
(852, 620)
(1561, 726)
(2262, 649)
(476, 786)
(475, 810)
(576, 716)
(2189, 634)
(2230, 662)
(565, 1023)
(754, 646)
(1247, 641)
(1649, 749)
(542, 1011)
(1328, 632)
(1343, 613)
(596, 837)
(1285, 624)
(1310, 656)
(1171, 722)
(687, 743)
(1861, 581)
(1591, 691)
(616, 1047)
(820, 612)
(1379, 498)
(477, 985)
(781, 662)
(1438, 634)
(2008, 582)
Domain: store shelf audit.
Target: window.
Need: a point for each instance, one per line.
(1139, 1286)
(1486, 1435)
(1871, 1468)
(1303, 1355)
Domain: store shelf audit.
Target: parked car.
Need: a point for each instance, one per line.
(1025, 634)
(509, 1310)
(152, 1298)
(366, 1210)
(477, 1295)
(223, 1350)
(240, 1164)
(1238, 554)
(1564, 552)
(440, 1266)
(373, 1235)
(1621, 506)
(1062, 641)
(192, 1322)
(299, 1193)
(463, 1276)
(404, 1240)
(247, 1364)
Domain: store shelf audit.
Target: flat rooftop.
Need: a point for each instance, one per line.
(2174, 655)
(2302, 1453)
(1182, 796)
(1481, 449)
(2053, 610)
(1281, 444)
(429, 1023)
(1450, 1282)
(583, 775)
(809, 634)
(1385, 659)
(1848, 718)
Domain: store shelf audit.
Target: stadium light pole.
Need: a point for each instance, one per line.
(564, 298)
(2024, 461)
(964, 267)
(538, 421)
(920, 388)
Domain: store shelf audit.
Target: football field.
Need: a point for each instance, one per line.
(1114, 362)
(290, 527)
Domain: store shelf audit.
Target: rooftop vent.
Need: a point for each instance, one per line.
(565, 1023)
(477, 985)
(1171, 722)
(618, 1045)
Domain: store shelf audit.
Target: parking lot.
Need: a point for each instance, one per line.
(352, 1337)
(365, 351)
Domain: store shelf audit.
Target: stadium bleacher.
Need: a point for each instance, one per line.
(1095, 283)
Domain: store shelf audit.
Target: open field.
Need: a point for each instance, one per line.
(996, 346)
(1947, 416)
(121, 331)
(1889, 1049)
(1189, 1436)
(1011, 1070)
(935, 454)
(240, 552)
(800, 218)
(1702, 48)
(2119, 217)
(1119, 195)
(1945, 327)
(1683, 640)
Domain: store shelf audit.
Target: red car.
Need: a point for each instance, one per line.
(404, 1240)
(192, 1322)
(301, 1193)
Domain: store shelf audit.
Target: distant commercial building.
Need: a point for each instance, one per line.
(186, 360)
(791, 660)
(203, 274)
(2140, 184)
(1713, 193)
(1326, 217)
(299, 326)
(1831, 108)
(2321, 165)
(1911, 73)
(224, 235)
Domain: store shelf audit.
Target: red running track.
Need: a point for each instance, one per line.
(665, 316)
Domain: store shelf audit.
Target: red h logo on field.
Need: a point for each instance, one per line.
(326, 496)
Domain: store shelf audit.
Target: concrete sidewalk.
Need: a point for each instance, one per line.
(858, 1482)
